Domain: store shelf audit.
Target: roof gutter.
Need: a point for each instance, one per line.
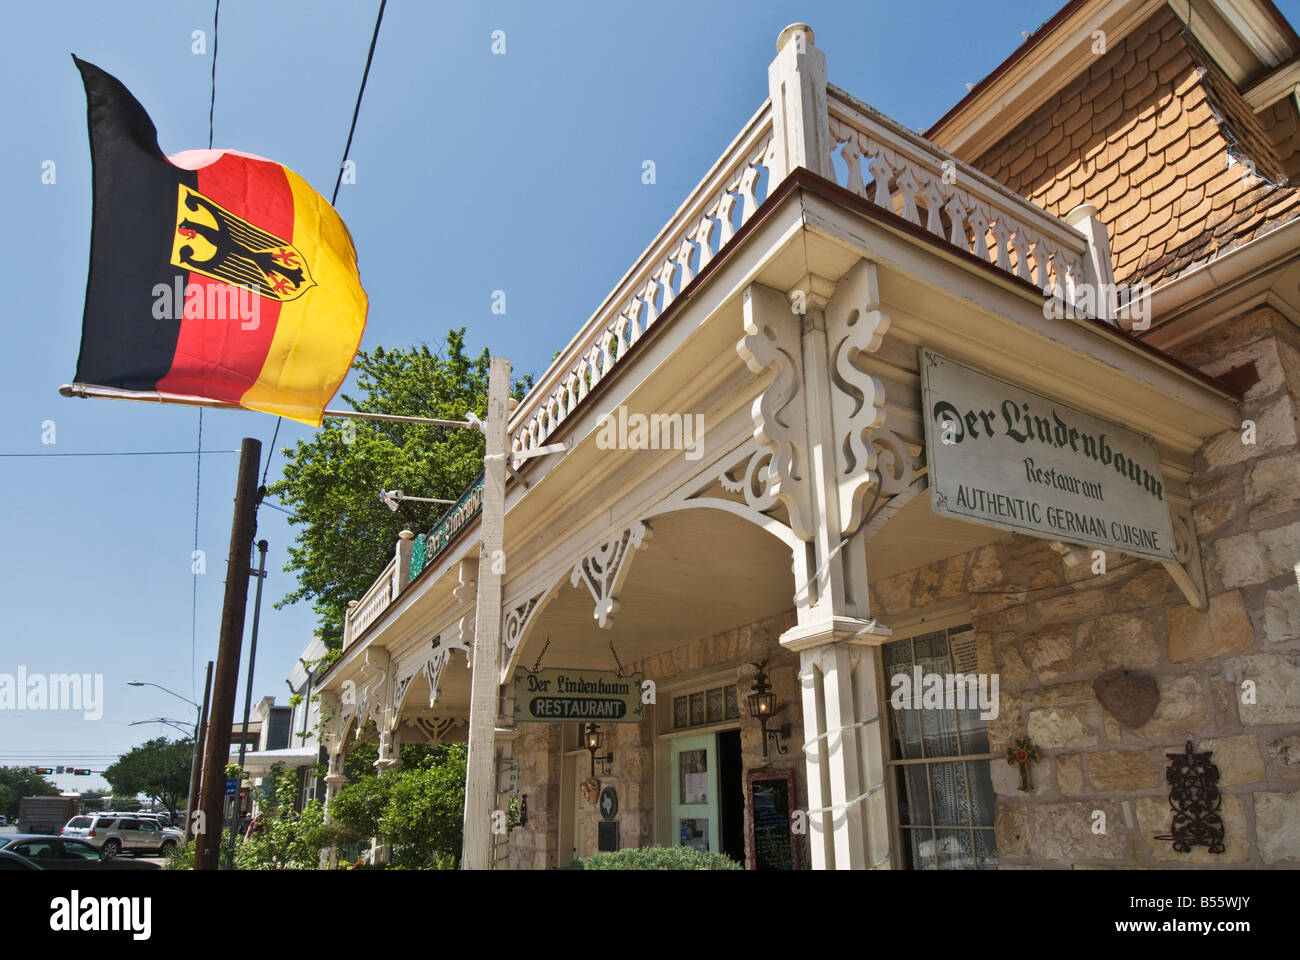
(1198, 288)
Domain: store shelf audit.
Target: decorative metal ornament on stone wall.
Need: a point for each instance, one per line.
(1195, 801)
(1022, 754)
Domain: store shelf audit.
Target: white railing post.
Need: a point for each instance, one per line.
(1097, 267)
(405, 542)
(347, 622)
(796, 82)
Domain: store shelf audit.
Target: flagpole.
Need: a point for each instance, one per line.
(89, 391)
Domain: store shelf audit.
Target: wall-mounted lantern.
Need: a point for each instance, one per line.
(763, 707)
(592, 740)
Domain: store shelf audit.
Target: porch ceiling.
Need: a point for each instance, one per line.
(701, 573)
(915, 536)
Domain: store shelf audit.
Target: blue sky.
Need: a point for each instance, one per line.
(474, 173)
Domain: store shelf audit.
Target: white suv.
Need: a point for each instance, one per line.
(116, 834)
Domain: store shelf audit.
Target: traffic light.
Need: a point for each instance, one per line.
(44, 771)
(81, 773)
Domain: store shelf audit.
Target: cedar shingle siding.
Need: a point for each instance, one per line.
(1137, 135)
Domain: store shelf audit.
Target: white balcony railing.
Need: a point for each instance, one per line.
(715, 210)
(902, 172)
(363, 612)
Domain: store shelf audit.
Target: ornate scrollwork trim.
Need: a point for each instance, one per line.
(604, 569)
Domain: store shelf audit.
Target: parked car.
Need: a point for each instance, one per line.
(114, 835)
(14, 861)
(4, 821)
(65, 853)
(162, 819)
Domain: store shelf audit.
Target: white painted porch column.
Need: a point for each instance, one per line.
(838, 642)
(485, 684)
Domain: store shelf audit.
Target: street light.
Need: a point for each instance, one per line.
(146, 683)
(194, 752)
(167, 720)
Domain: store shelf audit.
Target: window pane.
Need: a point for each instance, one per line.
(680, 716)
(79, 851)
(907, 733)
(922, 849)
(697, 708)
(951, 802)
(954, 850)
(982, 796)
(733, 705)
(939, 727)
(715, 704)
(914, 803)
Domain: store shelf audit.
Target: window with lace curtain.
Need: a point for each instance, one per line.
(940, 762)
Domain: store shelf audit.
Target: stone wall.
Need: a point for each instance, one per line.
(1228, 678)
(535, 845)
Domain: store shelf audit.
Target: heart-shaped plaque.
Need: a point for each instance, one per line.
(1129, 696)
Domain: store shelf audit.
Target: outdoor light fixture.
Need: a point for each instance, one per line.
(593, 739)
(392, 499)
(763, 707)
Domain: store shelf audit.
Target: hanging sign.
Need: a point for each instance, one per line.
(592, 696)
(1005, 457)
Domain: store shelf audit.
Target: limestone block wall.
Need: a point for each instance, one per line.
(534, 846)
(1228, 678)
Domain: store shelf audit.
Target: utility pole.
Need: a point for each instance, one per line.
(196, 761)
(248, 690)
(485, 683)
(225, 689)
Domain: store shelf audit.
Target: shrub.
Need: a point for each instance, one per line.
(656, 858)
(181, 856)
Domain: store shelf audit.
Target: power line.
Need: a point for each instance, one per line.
(212, 102)
(128, 453)
(338, 181)
(356, 110)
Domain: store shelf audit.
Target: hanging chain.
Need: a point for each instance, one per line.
(616, 659)
(546, 646)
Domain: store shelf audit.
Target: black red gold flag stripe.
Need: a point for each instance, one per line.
(214, 275)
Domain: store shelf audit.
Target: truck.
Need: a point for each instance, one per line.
(46, 814)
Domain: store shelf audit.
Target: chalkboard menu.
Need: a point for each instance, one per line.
(771, 799)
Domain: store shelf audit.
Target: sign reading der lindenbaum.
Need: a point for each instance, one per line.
(1002, 456)
(592, 696)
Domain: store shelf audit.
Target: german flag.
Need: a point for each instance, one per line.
(216, 277)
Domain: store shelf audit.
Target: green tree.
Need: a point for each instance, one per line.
(284, 838)
(425, 816)
(19, 782)
(333, 481)
(158, 768)
(418, 809)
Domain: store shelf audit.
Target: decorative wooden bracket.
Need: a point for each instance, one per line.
(1186, 570)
